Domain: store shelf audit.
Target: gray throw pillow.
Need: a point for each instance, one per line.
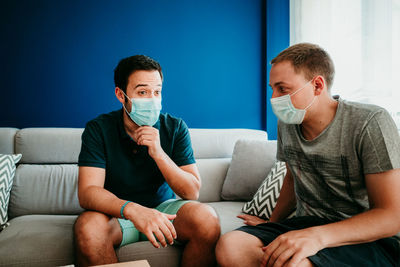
(7, 172)
(251, 162)
(264, 200)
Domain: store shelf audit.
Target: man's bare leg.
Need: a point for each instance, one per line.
(197, 225)
(238, 248)
(96, 235)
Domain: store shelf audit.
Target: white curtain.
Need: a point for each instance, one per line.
(363, 39)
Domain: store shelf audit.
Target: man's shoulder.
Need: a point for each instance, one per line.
(106, 119)
(171, 122)
(358, 110)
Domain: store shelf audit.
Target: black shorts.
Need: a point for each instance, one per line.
(383, 252)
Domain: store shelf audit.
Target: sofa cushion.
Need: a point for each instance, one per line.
(251, 162)
(48, 145)
(7, 137)
(45, 189)
(212, 173)
(219, 143)
(264, 200)
(7, 172)
(38, 240)
(227, 212)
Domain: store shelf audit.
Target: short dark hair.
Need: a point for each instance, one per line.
(131, 64)
(310, 59)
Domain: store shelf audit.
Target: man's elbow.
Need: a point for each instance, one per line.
(192, 194)
(82, 198)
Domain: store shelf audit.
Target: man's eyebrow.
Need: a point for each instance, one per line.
(144, 85)
(276, 84)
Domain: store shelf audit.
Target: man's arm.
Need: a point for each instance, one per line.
(93, 196)
(287, 199)
(381, 221)
(284, 206)
(185, 180)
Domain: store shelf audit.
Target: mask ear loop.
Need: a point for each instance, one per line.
(125, 102)
(309, 105)
(301, 87)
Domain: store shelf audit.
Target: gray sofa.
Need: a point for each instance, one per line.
(43, 203)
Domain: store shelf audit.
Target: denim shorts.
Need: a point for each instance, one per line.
(129, 232)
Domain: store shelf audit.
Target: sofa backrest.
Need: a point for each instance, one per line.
(46, 177)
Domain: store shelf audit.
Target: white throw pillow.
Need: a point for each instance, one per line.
(264, 200)
(7, 172)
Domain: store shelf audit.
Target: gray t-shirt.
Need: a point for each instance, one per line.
(329, 171)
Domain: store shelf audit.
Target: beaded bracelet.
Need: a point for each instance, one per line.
(122, 209)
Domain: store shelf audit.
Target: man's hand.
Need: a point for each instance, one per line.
(251, 220)
(291, 248)
(149, 136)
(152, 223)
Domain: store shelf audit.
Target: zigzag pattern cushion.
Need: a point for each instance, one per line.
(264, 200)
(7, 172)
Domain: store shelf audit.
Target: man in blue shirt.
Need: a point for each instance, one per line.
(132, 163)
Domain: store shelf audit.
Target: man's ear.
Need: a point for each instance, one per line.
(120, 96)
(319, 84)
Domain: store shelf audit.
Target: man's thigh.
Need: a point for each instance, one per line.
(367, 254)
(129, 233)
(379, 253)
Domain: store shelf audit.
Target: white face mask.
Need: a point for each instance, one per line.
(285, 111)
(144, 111)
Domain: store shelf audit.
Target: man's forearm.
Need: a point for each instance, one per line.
(286, 201)
(102, 200)
(183, 183)
(362, 228)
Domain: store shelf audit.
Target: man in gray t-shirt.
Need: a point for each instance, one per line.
(343, 176)
(329, 170)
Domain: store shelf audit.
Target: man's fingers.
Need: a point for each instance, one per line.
(152, 239)
(160, 237)
(170, 216)
(167, 233)
(172, 229)
(242, 216)
(144, 138)
(280, 257)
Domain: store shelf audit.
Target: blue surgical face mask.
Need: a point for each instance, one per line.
(285, 111)
(144, 111)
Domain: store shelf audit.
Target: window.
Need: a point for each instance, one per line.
(363, 39)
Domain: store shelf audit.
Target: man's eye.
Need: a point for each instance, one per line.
(157, 92)
(142, 92)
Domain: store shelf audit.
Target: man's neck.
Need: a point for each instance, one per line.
(324, 114)
(129, 126)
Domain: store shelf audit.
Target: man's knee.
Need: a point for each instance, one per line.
(226, 249)
(238, 247)
(227, 243)
(89, 227)
(202, 220)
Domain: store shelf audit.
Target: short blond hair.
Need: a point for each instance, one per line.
(310, 59)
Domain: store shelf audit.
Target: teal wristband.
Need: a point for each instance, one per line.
(122, 209)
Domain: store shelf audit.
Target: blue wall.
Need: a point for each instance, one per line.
(57, 59)
(277, 39)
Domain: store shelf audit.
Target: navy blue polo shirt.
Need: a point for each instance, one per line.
(131, 174)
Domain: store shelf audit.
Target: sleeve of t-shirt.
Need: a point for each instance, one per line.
(379, 147)
(279, 151)
(92, 150)
(182, 153)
